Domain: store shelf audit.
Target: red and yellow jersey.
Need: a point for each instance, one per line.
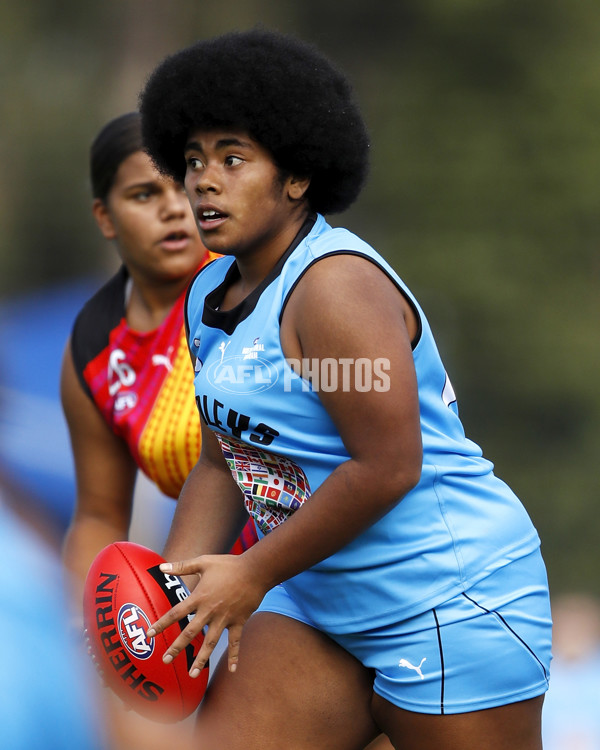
(142, 383)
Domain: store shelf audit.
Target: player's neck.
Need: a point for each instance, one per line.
(148, 305)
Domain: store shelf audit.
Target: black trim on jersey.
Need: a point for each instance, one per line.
(186, 321)
(94, 322)
(227, 320)
(413, 307)
(443, 680)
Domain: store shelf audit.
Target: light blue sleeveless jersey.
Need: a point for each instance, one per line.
(457, 526)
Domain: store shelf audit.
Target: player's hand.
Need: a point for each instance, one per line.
(225, 597)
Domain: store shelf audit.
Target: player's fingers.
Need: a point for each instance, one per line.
(182, 567)
(233, 651)
(211, 638)
(178, 612)
(183, 639)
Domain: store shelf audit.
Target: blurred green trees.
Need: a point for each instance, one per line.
(484, 194)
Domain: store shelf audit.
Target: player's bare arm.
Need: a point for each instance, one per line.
(210, 510)
(356, 300)
(105, 475)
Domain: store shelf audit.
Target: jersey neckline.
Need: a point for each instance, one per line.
(227, 320)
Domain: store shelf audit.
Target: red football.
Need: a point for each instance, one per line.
(125, 592)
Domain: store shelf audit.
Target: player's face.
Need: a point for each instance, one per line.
(151, 220)
(242, 203)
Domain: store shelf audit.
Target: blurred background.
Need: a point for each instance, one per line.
(484, 195)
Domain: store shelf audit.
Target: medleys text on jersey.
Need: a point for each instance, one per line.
(214, 415)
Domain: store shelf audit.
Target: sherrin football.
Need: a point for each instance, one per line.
(125, 592)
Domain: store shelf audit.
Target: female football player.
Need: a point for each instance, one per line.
(126, 386)
(328, 416)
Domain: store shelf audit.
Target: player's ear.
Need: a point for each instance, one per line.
(297, 187)
(103, 219)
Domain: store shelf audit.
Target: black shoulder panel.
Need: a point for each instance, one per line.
(96, 319)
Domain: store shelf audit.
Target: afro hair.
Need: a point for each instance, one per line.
(281, 91)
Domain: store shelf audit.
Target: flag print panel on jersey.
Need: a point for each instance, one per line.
(273, 486)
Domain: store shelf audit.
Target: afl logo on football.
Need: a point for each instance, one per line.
(133, 624)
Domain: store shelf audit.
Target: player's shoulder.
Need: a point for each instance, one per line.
(210, 274)
(340, 275)
(110, 296)
(96, 319)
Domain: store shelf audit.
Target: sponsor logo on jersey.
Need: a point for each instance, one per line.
(198, 361)
(448, 395)
(126, 400)
(162, 360)
(251, 352)
(407, 665)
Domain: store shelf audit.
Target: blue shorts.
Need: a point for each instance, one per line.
(486, 647)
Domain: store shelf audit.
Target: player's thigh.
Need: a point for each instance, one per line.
(380, 743)
(294, 688)
(516, 726)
